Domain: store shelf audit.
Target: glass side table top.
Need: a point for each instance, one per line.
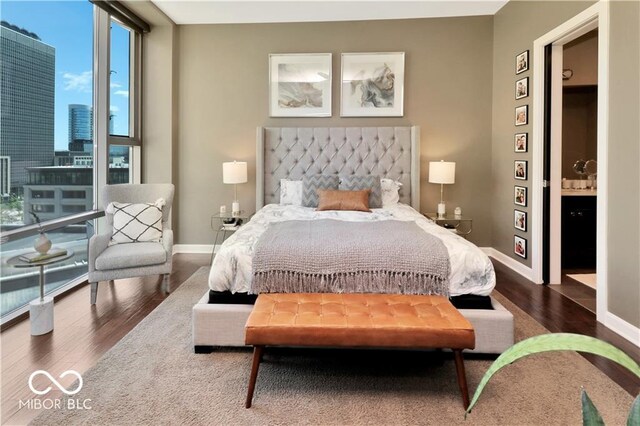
(448, 216)
(228, 215)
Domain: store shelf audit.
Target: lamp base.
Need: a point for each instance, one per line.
(235, 209)
(442, 210)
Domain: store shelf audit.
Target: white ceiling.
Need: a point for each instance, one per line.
(242, 12)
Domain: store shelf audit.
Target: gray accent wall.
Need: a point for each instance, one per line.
(223, 96)
(516, 26)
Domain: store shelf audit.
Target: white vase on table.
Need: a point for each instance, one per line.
(42, 243)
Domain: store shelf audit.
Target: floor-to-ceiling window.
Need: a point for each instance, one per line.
(51, 139)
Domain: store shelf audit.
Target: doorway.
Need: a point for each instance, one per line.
(583, 237)
(572, 254)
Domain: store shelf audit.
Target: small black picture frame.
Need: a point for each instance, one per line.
(520, 195)
(520, 246)
(520, 171)
(520, 220)
(522, 62)
(521, 142)
(522, 88)
(522, 115)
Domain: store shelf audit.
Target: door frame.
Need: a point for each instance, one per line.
(595, 16)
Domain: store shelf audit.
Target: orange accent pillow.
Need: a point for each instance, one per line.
(344, 200)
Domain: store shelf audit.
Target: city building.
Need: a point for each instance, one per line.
(5, 175)
(53, 192)
(80, 128)
(27, 79)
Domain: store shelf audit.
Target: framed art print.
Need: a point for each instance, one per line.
(372, 85)
(522, 88)
(300, 85)
(522, 62)
(520, 170)
(520, 196)
(520, 246)
(521, 142)
(520, 220)
(522, 115)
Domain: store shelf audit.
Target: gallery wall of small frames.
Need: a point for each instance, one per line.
(521, 146)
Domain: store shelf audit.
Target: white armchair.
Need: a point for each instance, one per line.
(107, 263)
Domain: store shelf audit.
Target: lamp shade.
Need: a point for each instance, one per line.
(442, 172)
(234, 172)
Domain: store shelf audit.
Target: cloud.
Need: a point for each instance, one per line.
(115, 85)
(124, 93)
(114, 108)
(78, 82)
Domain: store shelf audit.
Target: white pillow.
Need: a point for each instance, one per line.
(291, 192)
(390, 192)
(136, 223)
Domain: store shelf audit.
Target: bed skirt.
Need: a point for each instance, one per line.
(465, 301)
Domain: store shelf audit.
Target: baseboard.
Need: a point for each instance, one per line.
(509, 262)
(193, 248)
(622, 327)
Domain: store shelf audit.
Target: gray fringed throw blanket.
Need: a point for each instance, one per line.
(332, 256)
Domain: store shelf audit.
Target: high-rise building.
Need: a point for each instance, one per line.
(27, 94)
(80, 128)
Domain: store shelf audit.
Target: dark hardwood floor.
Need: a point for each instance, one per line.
(84, 333)
(558, 313)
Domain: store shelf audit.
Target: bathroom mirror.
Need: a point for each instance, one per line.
(591, 168)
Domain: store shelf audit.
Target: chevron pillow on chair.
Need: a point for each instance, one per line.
(136, 223)
(358, 183)
(311, 183)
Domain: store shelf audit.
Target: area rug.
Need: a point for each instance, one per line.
(152, 376)
(586, 279)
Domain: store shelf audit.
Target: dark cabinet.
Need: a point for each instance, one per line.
(579, 219)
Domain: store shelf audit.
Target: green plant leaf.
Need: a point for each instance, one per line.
(590, 414)
(634, 414)
(555, 342)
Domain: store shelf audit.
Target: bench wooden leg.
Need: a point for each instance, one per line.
(462, 377)
(257, 357)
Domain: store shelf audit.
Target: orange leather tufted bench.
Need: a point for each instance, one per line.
(357, 320)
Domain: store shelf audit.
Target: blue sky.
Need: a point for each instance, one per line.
(68, 26)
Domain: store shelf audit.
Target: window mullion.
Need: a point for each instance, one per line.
(101, 102)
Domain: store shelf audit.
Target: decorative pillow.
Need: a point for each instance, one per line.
(136, 223)
(312, 183)
(390, 192)
(291, 192)
(344, 200)
(356, 183)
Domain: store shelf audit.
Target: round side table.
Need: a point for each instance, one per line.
(41, 309)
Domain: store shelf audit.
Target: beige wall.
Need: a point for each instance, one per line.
(581, 56)
(516, 26)
(160, 100)
(624, 152)
(223, 97)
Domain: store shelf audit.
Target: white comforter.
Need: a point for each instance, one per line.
(471, 270)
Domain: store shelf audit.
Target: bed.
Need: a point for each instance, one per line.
(292, 153)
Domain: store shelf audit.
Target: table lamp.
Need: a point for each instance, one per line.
(444, 173)
(234, 172)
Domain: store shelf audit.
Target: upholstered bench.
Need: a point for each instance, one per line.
(358, 321)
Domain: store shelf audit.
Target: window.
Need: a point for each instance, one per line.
(69, 101)
(42, 194)
(119, 80)
(46, 100)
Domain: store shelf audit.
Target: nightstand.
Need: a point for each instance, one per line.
(225, 224)
(461, 225)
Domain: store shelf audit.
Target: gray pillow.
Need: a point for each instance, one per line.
(311, 183)
(358, 183)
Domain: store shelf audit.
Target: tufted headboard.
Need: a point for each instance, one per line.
(292, 152)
